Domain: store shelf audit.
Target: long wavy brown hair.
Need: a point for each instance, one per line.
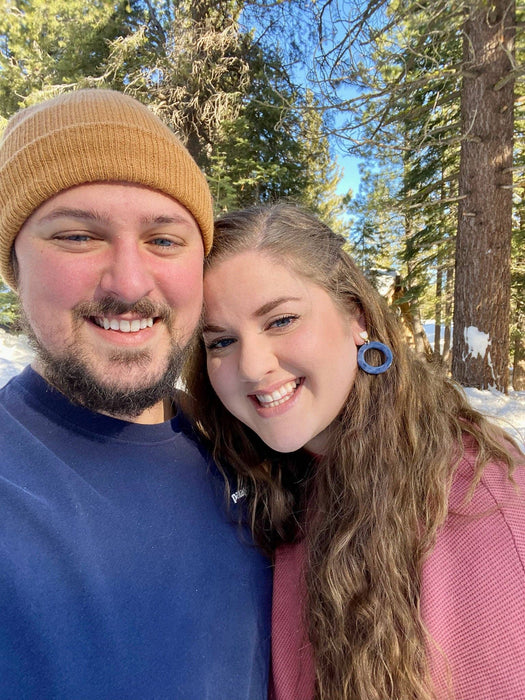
(369, 509)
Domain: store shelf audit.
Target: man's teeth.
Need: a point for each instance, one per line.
(278, 396)
(124, 325)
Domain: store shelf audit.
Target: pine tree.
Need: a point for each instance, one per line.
(50, 45)
(397, 69)
(483, 245)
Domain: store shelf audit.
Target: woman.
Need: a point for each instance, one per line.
(394, 511)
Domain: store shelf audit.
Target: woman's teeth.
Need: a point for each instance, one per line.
(124, 325)
(279, 396)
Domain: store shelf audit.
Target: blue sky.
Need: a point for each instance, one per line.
(350, 180)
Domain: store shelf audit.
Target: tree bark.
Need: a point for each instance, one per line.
(518, 367)
(410, 317)
(449, 297)
(483, 245)
(437, 315)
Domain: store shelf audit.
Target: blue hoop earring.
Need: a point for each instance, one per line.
(374, 345)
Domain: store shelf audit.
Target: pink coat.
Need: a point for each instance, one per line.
(472, 597)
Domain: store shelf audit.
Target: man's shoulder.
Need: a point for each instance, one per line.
(10, 385)
(11, 402)
(17, 387)
(184, 410)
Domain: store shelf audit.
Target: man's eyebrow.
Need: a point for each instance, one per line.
(165, 219)
(261, 311)
(100, 217)
(71, 213)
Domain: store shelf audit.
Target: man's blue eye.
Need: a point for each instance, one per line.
(163, 242)
(77, 237)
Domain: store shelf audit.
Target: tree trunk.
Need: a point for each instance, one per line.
(518, 368)
(518, 301)
(410, 317)
(422, 345)
(447, 336)
(483, 245)
(437, 315)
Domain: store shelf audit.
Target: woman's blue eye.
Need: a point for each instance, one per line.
(219, 344)
(283, 321)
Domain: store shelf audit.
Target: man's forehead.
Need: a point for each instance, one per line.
(96, 202)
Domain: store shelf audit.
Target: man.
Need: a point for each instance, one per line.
(121, 573)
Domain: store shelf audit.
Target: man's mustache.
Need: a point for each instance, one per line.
(109, 306)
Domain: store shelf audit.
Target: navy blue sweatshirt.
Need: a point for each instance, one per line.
(121, 574)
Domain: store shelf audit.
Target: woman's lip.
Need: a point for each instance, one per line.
(276, 410)
(276, 386)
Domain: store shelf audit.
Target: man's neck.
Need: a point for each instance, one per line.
(158, 413)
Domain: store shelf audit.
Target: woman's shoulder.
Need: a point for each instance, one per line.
(485, 526)
(496, 487)
(473, 583)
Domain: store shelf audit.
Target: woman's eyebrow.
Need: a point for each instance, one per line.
(271, 305)
(261, 311)
(211, 328)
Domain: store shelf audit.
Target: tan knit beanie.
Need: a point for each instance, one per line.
(91, 136)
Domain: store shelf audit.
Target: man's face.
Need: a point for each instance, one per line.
(110, 280)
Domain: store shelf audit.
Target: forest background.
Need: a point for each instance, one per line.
(427, 96)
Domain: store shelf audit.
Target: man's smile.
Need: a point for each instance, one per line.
(123, 325)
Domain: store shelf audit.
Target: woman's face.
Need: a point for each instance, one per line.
(281, 356)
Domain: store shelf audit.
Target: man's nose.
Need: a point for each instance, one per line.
(126, 274)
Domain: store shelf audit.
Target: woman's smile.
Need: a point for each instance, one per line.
(276, 397)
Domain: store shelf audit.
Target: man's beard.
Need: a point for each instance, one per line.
(70, 373)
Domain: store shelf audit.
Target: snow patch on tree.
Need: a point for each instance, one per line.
(477, 342)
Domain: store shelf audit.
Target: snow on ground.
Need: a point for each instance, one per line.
(509, 410)
(506, 410)
(15, 354)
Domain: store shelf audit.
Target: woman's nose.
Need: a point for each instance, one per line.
(257, 358)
